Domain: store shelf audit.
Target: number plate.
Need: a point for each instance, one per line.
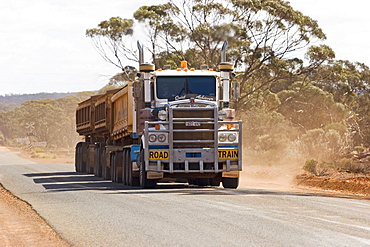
(192, 123)
(158, 155)
(228, 154)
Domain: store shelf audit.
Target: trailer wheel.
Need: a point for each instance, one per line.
(131, 179)
(126, 167)
(97, 160)
(203, 182)
(78, 157)
(215, 182)
(230, 183)
(105, 168)
(144, 182)
(118, 166)
(113, 166)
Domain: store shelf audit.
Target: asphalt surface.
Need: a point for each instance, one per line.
(88, 211)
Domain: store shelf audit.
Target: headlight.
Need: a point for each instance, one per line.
(162, 115)
(222, 137)
(162, 138)
(222, 115)
(231, 137)
(152, 138)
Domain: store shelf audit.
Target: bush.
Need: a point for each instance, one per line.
(310, 166)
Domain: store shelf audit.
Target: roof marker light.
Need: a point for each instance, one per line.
(184, 65)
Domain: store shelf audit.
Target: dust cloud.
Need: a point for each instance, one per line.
(272, 173)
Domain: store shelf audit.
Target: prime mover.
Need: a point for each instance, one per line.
(168, 125)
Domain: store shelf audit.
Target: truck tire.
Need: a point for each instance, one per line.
(125, 168)
(97, 160)
(144, 182)
(113, 166)
(118, 166)
(230, 183)
(105, 168)
(131, 180)
(203, 182)
(215, 182)
(78, 157)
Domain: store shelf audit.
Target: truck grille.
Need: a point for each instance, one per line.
(193, 126)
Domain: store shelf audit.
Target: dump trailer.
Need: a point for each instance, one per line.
(169, 125)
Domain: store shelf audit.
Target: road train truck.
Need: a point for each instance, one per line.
(169, 125)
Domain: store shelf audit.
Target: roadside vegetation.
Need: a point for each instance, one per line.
(299, 105)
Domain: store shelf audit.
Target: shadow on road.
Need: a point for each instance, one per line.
(73, 181)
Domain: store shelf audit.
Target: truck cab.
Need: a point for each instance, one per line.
(186, 128)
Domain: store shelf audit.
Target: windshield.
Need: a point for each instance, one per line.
(176, 87)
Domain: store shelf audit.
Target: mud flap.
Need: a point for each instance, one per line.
(154, 175)
(230, 174)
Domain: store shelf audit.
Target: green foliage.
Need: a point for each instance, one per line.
(353, 166)
(50, 121)
(317, 168)
(310, 107)
(115, 28)
(359, 149)
(310, 166)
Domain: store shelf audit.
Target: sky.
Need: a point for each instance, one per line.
(43, 47)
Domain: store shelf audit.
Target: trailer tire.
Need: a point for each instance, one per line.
(203, 182)
(124, 167)
(105, 168)
(78, 157)
(113, 166)
(215, 182)
(97, 160)
(230, 183)
(118, 166)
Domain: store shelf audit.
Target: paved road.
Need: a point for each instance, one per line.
(88, 211)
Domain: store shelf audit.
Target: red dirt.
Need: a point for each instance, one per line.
(350, 184)
(20, 225)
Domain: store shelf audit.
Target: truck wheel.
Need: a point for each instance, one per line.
(124, 167)
(144, 182)
(97, 158)
(118, 166)
(105, 168)
(132, 180)
(113, 162)
(230, 183)
(203, 182)
(78, 157)
(215, 182)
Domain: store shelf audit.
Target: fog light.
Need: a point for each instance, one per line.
(152, 138)
(222, 137)
(162, 138)
(231, 137)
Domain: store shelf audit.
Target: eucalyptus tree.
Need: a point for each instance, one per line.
(110, 40)
(264, 38)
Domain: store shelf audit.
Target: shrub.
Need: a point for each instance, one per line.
(310, 166)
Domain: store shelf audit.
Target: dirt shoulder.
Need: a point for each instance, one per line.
(293, 179)
(20, 225)
(344, 184)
